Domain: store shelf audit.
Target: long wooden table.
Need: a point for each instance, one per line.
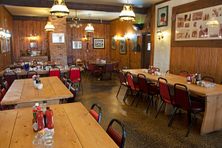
(74, 128)
(23, 92)
(212, 120)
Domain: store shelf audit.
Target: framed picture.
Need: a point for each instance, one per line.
(162, 16)
(122, 46)
(58, 38)
(98, 43)
(201, 24)
(76, 44)
(113, 43)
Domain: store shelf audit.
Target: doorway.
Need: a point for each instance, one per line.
(146, 50)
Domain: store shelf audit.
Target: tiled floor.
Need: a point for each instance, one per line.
(143, 130)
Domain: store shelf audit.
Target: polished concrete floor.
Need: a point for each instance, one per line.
(143, 130)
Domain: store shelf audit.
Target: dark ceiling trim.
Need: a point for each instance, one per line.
(69, 20)
(70, 5)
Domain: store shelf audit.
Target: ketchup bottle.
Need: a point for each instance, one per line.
(49, 118)
(40, 120)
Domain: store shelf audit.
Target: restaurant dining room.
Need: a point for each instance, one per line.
(110, 73)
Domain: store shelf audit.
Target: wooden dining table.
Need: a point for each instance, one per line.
(73, 125)
(212, 120)
(23, 93)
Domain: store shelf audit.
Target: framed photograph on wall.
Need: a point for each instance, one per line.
(58, 38)
(76, 44)
(113, 43)
(122, 46)
(162, 16)
(98, 43)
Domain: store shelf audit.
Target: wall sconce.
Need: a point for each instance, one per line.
(160, 34)
(33, 37)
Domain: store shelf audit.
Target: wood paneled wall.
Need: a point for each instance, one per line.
(205, 60)
(90, 54)
(22, 29)
(131, 59)
(6, 23)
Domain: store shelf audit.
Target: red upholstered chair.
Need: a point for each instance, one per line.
(75, 74)
(54, 72)
(10, 77)
(31, 73)
(147, 89)
(122, 80)
(118, 137)
(133, 86)
(164, 93)
(96, 115)
(182, 101)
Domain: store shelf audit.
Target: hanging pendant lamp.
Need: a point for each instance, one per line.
(89, 27)
(59, 9)
(127, 14)
(49, 27)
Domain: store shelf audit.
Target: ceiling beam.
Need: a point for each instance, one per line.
(70, 5)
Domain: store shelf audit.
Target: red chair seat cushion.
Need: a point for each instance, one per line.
(94, 114)
(197, 106)
(115, 135)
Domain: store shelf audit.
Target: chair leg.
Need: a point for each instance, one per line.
(118, 91)
(159, 109)
(134, 98)
(139, 95)
(172, 117)
(149, 102)
(189, 116)
(125, 96)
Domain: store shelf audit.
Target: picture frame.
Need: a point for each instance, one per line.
(122, 46)
(113, 43)
(76, 44)
(98, 43)
(162, 16)
(58, 38)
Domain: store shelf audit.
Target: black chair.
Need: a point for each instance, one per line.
(31, 73)
(115, 135)
(122, 80)
(182, 101)
(96, 115)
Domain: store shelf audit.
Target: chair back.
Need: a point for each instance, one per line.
(54, 72)
(119, 138)
(96, 115)
(2, 93)
(10, 77)
(130, 82)
(109, 68)
(181, 96)
(143, 85)
(75, 74)
(164, 90)
(91, 67)
(122, 77)
(208, 78)
(31, 73)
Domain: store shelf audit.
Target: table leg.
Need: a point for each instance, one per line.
(212, 120)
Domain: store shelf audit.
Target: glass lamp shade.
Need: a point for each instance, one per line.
(213, 22)
(127, 13)
(49, 26)
(59, 9)
(89, 28)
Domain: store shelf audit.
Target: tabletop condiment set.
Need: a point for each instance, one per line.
(37, 82)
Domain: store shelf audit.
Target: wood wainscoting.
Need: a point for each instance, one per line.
(205, 60)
